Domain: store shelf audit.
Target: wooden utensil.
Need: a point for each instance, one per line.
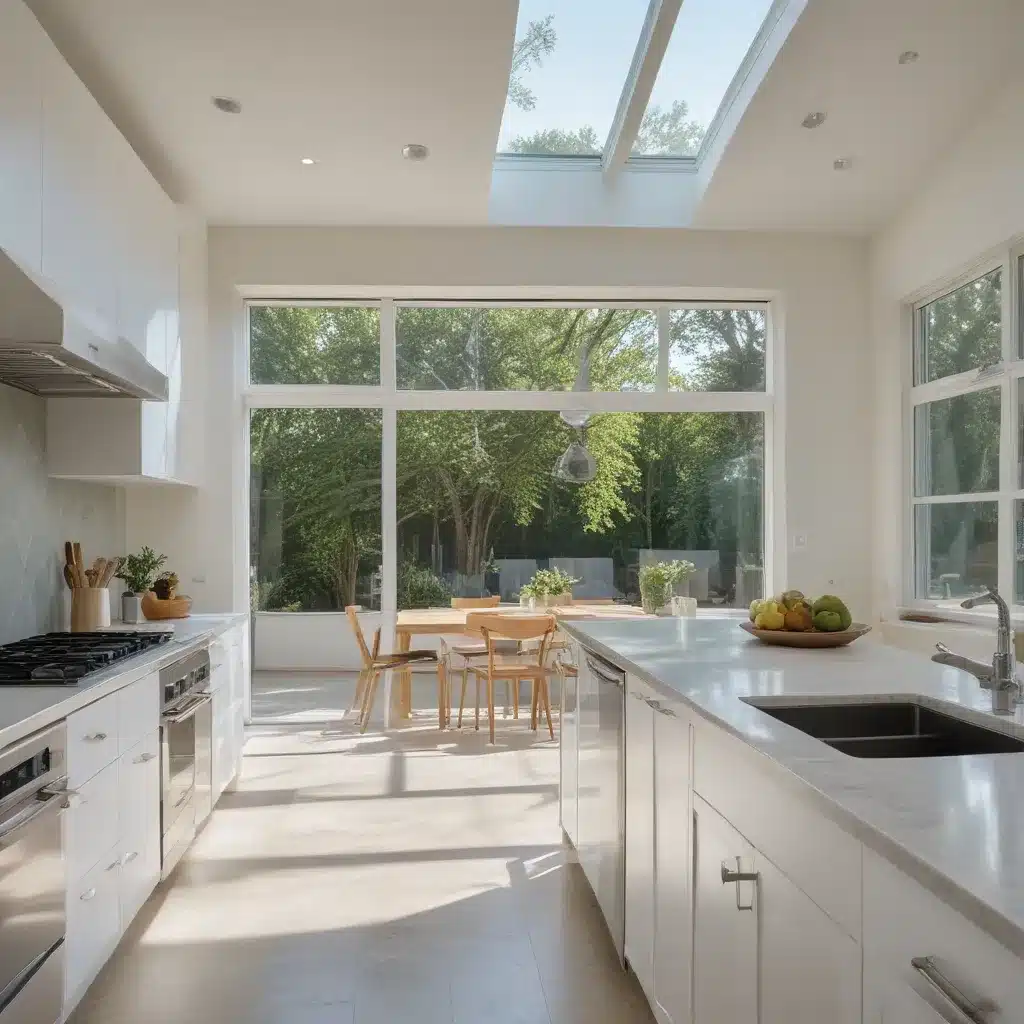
(98, 565)
(79, 561)
(69, 578)
(69, 561)
(113, 567)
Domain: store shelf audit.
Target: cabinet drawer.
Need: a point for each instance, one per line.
(904, 921)
(138, 781)
(140, 872)
(90, 823)
(93, 925)
(138, 711)
(746, 788)
(92, 740)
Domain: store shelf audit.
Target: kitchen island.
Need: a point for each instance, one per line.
(770, 847)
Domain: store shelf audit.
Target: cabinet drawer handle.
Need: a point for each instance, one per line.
(961, 1009)
(143, 758)
(737, 875)
(116, 864)
(95, 737)
(129, 857)
(88, 894)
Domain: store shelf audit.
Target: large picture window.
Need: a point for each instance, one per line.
(965, 442)
(403, 453)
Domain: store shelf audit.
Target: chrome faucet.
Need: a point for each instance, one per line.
(1000, 677)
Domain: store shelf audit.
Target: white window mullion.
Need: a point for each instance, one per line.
(664, 348)
(1007, 481)
(389, 522)
(388, 380)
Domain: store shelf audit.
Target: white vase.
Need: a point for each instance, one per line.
(131, 608)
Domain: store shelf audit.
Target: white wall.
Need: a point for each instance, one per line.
(819, 286)
(972, 206)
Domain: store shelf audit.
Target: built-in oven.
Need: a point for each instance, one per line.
(186, 755)
(33, 781)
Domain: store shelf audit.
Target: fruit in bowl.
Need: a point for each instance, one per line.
(793, 612)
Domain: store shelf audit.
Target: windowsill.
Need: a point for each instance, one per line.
(952, 614)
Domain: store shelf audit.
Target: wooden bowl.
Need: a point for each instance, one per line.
(173, 608)
(812, 638)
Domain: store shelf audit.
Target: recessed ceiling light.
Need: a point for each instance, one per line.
(307, 161)
(842, 163)
(814, 119)
(414, 151)
(226, 104)
(909, 56)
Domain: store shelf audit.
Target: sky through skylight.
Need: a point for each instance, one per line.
(573, 57)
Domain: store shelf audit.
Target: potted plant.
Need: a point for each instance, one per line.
(138, 572)
(165, 586)
(657, 581)
(549, 588)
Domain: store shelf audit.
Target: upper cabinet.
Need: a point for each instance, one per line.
(21, 135)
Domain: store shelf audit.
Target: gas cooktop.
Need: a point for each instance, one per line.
(62, 659)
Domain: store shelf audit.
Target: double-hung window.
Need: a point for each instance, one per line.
(966, 522)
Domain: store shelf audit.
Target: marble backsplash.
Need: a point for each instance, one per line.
(37, 515)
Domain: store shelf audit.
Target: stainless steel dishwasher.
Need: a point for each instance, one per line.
(601, 811)
(32, 783)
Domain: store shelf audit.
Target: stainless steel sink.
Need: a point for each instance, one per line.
(899, 729)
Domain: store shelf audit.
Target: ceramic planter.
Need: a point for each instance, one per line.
(131, 608)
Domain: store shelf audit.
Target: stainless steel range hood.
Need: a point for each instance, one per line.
(47, 350)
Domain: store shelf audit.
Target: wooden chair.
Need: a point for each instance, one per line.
(493, 627)
(375, 663)
(469, 650)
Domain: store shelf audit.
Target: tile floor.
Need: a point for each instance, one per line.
(301, 697)
(411, 877)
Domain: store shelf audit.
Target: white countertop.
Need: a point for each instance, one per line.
(26, 709)
(954, 823)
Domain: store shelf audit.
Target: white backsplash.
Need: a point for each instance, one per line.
(37, 515)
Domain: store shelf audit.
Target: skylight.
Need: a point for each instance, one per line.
(709, 42)
(570, 62)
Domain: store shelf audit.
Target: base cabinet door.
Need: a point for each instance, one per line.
(810, 968)
(673, 866)
(640, 911)
(725, 923)
(93, 925)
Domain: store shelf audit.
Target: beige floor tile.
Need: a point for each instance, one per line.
(411, 877)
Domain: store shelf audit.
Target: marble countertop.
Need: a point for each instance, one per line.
(26, 709)
(956, 824)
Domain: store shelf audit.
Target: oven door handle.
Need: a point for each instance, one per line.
(187, 711)
(21, 820)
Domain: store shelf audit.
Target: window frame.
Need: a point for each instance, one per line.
(1005, 376)
(388, 397)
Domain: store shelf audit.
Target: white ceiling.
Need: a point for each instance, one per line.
(350, 82)
(894, 121)
(347, 82)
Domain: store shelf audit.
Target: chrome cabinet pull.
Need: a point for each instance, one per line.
(116, 864)
(129, 857)
(95, 737)
(961, 1009)
(143, 758)
(88, 894)
(737, 875)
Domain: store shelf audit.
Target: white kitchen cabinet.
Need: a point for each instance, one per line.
(93, 925)
(569, 728)
(904, 923)
(810, 969)
(673, 866)
(139, 824)
(79, 198)
(724, 924)
(21, 136)
(90, 824)
(640, 834)
(764, 952)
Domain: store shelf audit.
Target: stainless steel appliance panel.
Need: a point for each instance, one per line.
(602, 790)
(32, 877)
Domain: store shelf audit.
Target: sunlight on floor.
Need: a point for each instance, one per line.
(410, 876)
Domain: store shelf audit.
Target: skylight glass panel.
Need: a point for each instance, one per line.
(570, 61)
(708, 44)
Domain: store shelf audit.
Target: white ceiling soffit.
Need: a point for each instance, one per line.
(893, 122)
(344, 82)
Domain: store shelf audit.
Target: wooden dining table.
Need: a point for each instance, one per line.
(452, 621)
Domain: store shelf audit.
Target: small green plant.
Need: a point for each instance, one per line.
(657, 580)
(549, 583)
(139, 570)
